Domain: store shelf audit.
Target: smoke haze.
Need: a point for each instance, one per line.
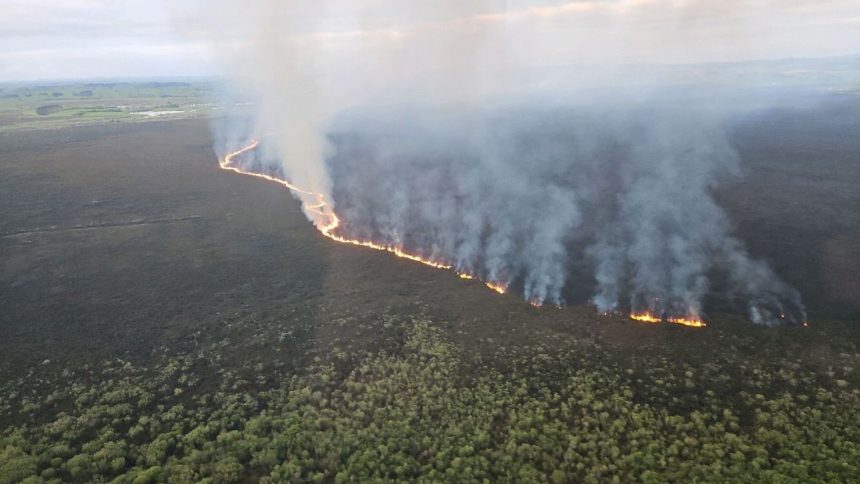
(517, 141)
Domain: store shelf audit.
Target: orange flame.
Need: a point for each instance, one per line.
(650, 317)
(498, 287)
(318, 205)
(328, 221)
(645, 317)
(690, 321)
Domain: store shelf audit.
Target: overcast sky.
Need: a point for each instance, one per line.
(65, 39)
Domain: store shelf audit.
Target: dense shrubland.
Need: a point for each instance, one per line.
(423, 409)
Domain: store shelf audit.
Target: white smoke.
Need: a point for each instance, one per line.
(513, 139)
(525, 194)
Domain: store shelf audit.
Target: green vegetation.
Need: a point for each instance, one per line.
(422, 408)
(24, 106)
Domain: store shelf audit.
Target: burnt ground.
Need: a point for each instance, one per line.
(126, 240)
(798, 204)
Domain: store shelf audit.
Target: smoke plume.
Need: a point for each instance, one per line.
(513, 141)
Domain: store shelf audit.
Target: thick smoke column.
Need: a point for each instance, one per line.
(467, 134)
(520, 196)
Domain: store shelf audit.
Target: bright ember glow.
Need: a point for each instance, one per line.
(650, 317)
(690, 321)
(327, 221)
(645, 317)
(499, 288)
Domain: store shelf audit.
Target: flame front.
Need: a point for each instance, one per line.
(327, 222)
(498, 287)
(690, 321)
(650, 317)
(646, 317)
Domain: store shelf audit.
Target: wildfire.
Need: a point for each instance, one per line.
(690, 321)
(649, 317)
(318, 205)
(645, 317)
(327, 223)
(499, 288)
(227, 164)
